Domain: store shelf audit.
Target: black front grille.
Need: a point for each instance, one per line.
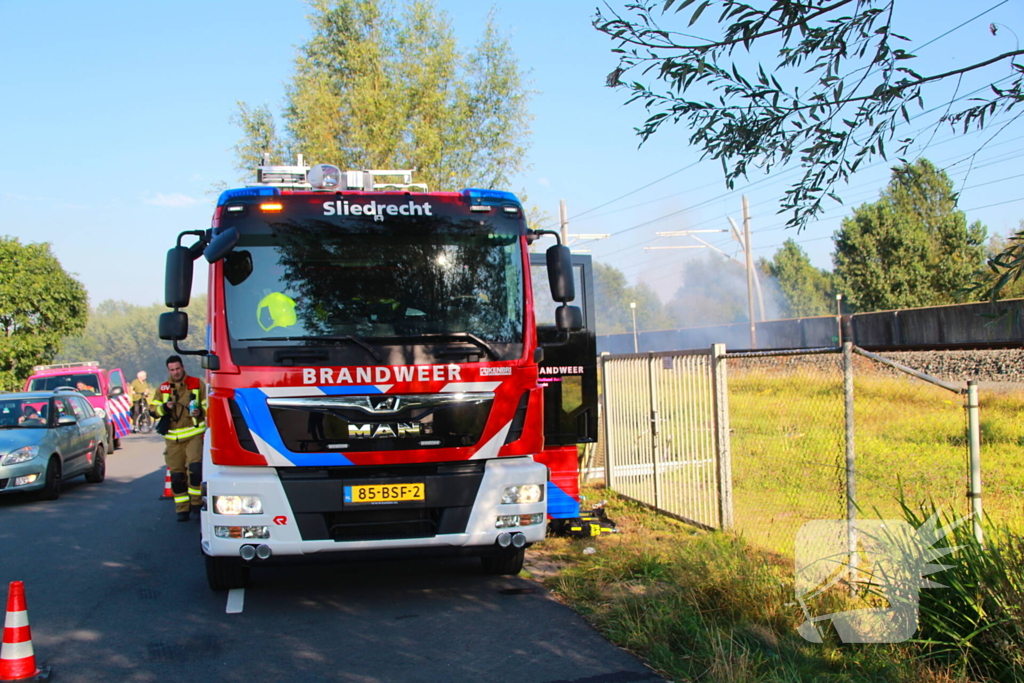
(3, 484)
(317, 495)
(321, 429)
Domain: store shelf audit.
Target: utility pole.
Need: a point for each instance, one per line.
(563, 220)
(567, 239)
(750, 273)
(757, 279)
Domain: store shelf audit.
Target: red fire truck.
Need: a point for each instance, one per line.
(385, 377)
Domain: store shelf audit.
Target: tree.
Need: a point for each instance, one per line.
(808, 291)
(40, 303)
(612, 297)
(910, 248)
(372, 89)
(1006, 282)
(124, 335)
(851, 86)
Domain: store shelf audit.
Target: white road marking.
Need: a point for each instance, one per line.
(236, 599)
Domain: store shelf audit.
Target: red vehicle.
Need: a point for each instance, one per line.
(374, 358)
(106, 391)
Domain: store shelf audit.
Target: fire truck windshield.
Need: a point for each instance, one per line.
(364, 284)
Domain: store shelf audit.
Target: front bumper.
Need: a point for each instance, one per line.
(290, 533)
(9, 473)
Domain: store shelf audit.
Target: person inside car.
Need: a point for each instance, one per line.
(30, 416)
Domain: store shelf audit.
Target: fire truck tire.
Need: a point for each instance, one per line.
(507, 563)
(226, 573)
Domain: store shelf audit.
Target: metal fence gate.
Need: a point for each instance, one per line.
(666, 430)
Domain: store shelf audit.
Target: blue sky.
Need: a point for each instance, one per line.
(115, 125)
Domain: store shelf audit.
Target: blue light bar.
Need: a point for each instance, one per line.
(489, 196)
(228, 195)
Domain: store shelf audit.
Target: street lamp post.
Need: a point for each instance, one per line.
(839, 317)
(632, 306)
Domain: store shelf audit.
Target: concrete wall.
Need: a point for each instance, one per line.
(963, 325)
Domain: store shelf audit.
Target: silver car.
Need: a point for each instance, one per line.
(47, 437)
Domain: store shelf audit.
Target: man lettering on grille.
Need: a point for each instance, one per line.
(183, 399)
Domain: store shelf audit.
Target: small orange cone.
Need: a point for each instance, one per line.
(17, 658)
(168, 493)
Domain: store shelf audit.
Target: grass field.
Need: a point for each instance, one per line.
(788, 451)
(706, 606)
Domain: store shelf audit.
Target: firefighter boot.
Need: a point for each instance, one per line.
(179, 487)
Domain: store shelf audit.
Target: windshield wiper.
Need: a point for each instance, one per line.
(447, 336)
(304, 352)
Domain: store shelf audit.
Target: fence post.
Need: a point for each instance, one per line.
(723, 453)
(606, 423)
(851, 466)
(653, 398)
(974, 439)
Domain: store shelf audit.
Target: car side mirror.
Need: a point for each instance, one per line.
(568, 318)
(221, 245)
(559, 261)
(116, 391)
(66, 420)
(173, 325)
(178, 277)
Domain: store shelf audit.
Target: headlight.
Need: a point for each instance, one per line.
(237, 505)
(102, 413)
(522, 494)
(23, 454)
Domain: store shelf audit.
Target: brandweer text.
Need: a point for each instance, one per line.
(382, 374)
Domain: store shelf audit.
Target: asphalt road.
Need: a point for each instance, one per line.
(116, 591)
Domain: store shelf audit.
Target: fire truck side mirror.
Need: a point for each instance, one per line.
(173, 325)
(221, 245)
(568, 318)
(563, 287)
(178, 278)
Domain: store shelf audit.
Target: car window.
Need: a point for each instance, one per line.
(84, 406)
(63, 406)
(76, 408)
(22, 413)
(116, 380)
(86, 383)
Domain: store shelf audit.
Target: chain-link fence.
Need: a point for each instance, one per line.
(782, 438)
(786, 422)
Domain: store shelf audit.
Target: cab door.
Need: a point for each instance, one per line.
(569, 369)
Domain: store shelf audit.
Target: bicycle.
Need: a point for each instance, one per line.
(143, 418)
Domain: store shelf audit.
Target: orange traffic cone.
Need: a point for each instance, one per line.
(168, 493)
(17, 659)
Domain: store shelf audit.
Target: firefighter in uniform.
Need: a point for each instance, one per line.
(183, 399)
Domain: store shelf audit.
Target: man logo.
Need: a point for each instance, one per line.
(388, 404)
(399, 430)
